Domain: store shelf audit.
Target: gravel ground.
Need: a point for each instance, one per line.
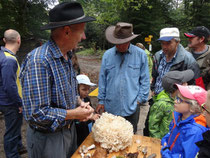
(89, 65)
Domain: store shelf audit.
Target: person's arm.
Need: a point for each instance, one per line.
(189, 147)
(9, 76)
(144, 80)
(165, 152)
(102, 87)
(82, 113)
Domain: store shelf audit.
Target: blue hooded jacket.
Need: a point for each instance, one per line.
(180, 141)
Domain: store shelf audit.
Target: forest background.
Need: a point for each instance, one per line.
(147, 16)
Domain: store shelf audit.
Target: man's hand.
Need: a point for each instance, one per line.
(84, 105)
(100, 109)
(80, 113)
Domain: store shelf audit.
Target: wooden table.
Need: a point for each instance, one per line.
(152, 144)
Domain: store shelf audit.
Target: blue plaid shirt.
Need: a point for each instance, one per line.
(48, 86)
(163, 68)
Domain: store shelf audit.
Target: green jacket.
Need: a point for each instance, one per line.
(160, 115)
(150, 62)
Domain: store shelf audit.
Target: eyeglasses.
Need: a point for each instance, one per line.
(179, 100)
(204, 109)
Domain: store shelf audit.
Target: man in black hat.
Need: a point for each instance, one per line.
(124, 77)
(198, 39)
(50, 89)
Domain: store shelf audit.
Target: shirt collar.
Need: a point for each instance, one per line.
(55, 49)
(164, 57)
(128, 51)
(7, 50)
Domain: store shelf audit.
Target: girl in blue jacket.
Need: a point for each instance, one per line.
(187, 125)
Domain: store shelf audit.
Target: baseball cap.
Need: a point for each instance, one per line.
(193, 92)
(199, 31)
(168, 34)
(178, 77)
(83, 79)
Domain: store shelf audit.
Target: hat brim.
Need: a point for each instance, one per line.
(189, 35)
(110, 38)
(89, 84)
(176, 77)
(185, 92)
(165, 38)
(54, 25)
(188, 75)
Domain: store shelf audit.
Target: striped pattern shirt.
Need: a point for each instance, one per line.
(163, 68)
(48, 86)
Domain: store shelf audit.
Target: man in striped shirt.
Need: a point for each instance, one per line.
(50, 88)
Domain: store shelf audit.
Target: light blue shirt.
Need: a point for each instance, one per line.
(123, 80)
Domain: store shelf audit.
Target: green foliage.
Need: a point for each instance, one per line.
(147, 16)
(25, 16)
(86, 52)
(91, 51)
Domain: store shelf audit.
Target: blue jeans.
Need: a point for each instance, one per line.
(12, 137)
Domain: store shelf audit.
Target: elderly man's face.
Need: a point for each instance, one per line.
(123, 47)
(169, 47)
(77, 34)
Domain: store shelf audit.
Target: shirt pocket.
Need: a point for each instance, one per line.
(134, 70)
(110, 71)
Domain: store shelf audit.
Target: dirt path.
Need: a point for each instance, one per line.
(89, 65)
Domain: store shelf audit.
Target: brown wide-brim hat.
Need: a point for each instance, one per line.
(121, 33)
(66, 13)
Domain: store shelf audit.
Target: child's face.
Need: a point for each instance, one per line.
(83, 90)
(181, 105)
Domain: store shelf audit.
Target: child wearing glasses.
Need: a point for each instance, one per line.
(187, 125)
(160, 114)
(204, 144)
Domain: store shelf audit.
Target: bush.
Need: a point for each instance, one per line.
(90, 51)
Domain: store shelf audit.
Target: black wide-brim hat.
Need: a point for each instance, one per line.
(66, 13)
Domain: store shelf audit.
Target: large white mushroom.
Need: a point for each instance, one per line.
(114, 133)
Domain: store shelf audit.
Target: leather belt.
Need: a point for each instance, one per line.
(68, 126)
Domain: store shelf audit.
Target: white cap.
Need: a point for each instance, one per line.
(168, 34)
(83, 79)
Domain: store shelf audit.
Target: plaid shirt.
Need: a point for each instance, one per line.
(48, 86)
(163, 68)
